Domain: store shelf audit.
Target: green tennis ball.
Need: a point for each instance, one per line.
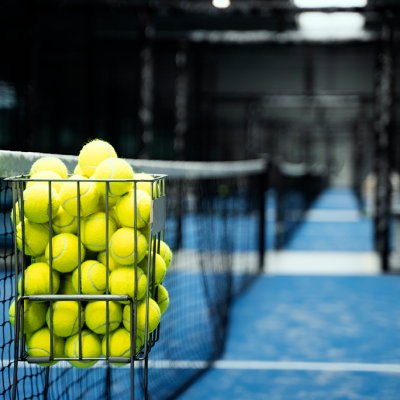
(39, 345)
(49, 175)
(50, 164)
(94, 231)
(36, 203)
(66, 286)
(146, 186)
(93, 278)
(154, 316)
(112, 265)
(65, 318)
(122, 246)
(34, 315)
(93, 153)
(125, 209)
(122, 281)
(37, 280)
(162, 299)
(114, 168)
(119, 344)
(165, 252)
(65, 252)
(160, 269)
(91, 348)
(17, 219)
(64, 222)
(36, 238)
(89, 196)
(95, 316)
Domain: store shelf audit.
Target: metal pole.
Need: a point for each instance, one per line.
(181, 101)
(16, 312)
(146, 82)
(383, 141)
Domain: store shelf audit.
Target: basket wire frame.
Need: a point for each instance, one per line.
(157, 187)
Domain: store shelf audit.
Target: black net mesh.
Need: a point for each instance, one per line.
(213, 227)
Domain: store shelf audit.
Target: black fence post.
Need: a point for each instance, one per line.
(383, 141)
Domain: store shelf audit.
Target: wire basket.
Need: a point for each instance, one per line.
(157, 225)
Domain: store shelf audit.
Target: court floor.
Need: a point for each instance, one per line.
(321, 324)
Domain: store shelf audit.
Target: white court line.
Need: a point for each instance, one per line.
(255, 365)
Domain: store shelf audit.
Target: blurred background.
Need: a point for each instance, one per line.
(299, 100)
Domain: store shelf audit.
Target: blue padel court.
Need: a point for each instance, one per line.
(292, 335)
(313, 336)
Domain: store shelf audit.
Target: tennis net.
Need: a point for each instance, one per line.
(215, 228)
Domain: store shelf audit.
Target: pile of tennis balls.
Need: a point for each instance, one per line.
(97, 160)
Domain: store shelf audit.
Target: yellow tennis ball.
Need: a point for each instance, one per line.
(119, 344)
(154, 316)
(146, 186)
(126, 212)
(66, 286)
(111, 213)
(114, 168)
(34, 315)
(112, 200)
(95, 316)
(37, 280)
(50, 164)
(65, 318)
(64, 222)
(93, 153)
(112, 265)
(93, 278)
(39, 345)
(93, 231)
(65, 252)
(36, 203)
(36, 238)
(91, 348)
(89, 196)
(162, 299)
(165, 252)
(46, 175)
(122, 246)
(160, 269)
(122, 281)
(145, 230)
(17, 219)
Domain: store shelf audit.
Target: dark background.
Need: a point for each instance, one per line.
(71, 71)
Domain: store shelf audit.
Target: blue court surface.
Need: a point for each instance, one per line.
(294, 337)
(313, 337)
